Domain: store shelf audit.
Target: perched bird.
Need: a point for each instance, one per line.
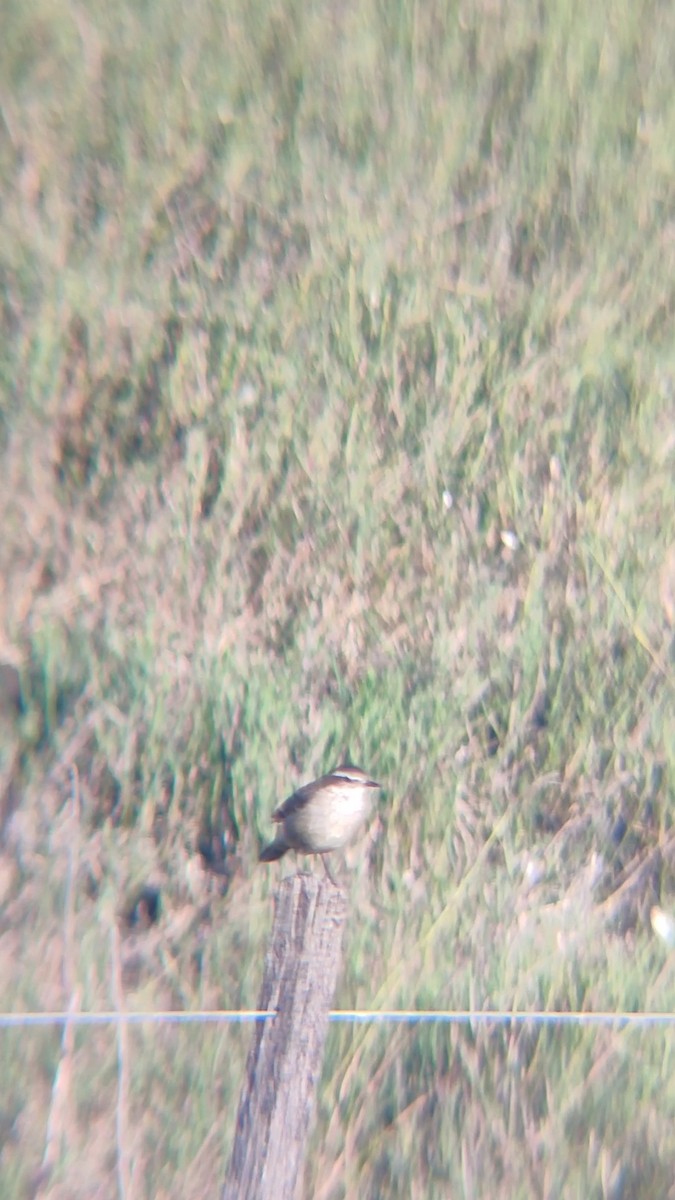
(324, 815)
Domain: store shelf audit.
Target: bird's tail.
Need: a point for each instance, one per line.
(274, 851)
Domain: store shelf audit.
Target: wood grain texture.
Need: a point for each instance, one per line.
(277, 1102)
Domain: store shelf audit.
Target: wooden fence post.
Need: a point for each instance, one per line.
(277, 1101)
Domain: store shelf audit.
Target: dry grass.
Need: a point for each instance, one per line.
(336, 416)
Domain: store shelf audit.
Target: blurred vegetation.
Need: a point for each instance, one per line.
(337, 418)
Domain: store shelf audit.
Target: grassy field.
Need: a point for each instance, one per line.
(337, 418)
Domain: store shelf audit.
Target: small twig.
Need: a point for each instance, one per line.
(624, 896)
(636, 630)
(61, 1102)
(122, 1107)
(463, 214)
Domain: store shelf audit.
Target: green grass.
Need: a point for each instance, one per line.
(275, 280)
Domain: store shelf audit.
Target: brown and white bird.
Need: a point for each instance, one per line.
(324, 815)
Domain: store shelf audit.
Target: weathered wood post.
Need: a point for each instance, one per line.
(277, 1101)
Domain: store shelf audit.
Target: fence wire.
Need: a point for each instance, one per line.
(27, 1020)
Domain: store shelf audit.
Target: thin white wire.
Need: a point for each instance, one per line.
(358, 1016)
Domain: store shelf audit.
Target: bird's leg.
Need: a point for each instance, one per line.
(328, 871)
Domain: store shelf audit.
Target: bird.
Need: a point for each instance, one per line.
(324, 815)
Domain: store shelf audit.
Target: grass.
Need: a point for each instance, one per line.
(336, 417)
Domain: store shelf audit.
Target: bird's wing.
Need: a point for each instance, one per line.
(299, 799)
